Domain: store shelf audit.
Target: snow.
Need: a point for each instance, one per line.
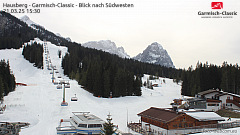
(39, 102)
(205, 116)
(27, 20)
(107, 46)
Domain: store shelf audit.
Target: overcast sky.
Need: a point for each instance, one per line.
(175, 24)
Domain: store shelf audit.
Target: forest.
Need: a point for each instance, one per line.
(209, 76)
(34, 54)
(7, 79)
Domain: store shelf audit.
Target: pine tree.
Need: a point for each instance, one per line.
(59, 53)
(108, 127)
(1, 88)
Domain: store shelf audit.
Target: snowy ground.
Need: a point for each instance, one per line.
(39, 103)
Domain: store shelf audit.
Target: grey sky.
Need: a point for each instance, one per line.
(175, 24)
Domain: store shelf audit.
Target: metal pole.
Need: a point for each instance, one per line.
(53, 76)
(63, 92)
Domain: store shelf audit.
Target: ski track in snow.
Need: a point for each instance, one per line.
(39, 103)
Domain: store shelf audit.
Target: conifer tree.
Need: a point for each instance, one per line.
(108, 127)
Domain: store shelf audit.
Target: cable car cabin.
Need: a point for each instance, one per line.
(59, 86)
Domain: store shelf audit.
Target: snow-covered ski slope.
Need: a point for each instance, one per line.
(39, 102)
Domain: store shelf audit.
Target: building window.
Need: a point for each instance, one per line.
(82, 125)
(94, 125)
(209, 104)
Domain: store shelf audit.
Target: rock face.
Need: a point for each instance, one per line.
(107, 46)
(155, 54)
(30, 23)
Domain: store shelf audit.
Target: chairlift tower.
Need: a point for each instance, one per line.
(53, 78)
(64, 103)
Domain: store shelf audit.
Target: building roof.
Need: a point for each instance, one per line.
(220, 93)
(177, 100)
(205, 116)
(88, 119)
(208, 91)
(160, 114)
(226, 93)
(167, 115)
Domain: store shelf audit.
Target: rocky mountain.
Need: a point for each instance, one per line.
(107, 46)
(67, 38)
(27, 20)
(33, 25)
(155, 54)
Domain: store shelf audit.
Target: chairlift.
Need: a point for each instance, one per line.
(59, 76)
(56, 72)
(51, 72)
(74, 98)
(55, 83)
(67, 86)
(61, 82)
(59, 86)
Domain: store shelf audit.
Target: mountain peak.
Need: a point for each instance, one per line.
(107, 46)
(25, 17)
(27, 20)
(155, 54)
(156, 45)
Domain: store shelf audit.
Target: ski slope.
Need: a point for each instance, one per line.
(39, 102)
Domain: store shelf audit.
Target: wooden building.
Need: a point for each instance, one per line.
(156, 118)
(219, 99)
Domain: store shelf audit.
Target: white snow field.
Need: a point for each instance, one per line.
(39, 102)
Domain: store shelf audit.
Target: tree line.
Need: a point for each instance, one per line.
(208, 76)
(7, 80)
(34, 54)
